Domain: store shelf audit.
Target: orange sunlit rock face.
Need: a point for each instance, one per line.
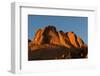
(73, 39)
(48, 43)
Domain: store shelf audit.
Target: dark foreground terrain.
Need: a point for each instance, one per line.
(47, 52)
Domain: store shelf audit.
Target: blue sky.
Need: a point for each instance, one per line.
(79, 25)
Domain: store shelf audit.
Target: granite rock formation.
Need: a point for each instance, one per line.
(48, 43)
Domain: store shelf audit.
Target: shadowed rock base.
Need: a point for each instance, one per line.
(51, 52)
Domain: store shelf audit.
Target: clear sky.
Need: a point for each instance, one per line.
(79, 25)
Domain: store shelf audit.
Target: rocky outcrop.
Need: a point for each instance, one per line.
(48, 35)
(49, 43)
(64, 40)
(80, 41)
(73, 39)
(37, 39)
